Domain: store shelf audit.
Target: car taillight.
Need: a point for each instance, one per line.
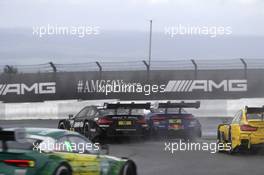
(189, 117)
(104, 121)
(20, 163)
(248, 128)
(141, 121)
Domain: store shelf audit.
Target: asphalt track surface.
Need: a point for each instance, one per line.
(152, 159)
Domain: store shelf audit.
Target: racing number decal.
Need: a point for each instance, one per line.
(87, 164)
(78, 124)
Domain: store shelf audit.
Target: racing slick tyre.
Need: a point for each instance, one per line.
(63, 125)
(199, 134)
(232, 150)
(129, 169)
(62, 170)
(220, 140)
(153, 133)
(92, 136)
(87, 131)
(254, 151)
(192, 135)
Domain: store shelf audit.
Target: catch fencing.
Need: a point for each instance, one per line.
(134, 80)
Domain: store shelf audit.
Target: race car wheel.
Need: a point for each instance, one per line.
(232, 150)
(220, 140)
(62, 125)
(62, 170)
(220, 137)
(153, 133)
(86, 130)
(199, 135)
(254, 151)
(129, 169)
(191, 135)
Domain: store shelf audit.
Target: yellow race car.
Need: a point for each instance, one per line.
(245, 131)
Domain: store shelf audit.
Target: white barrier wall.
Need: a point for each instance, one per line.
(16, 111)
(2, 111)
(61, 109)
(44, 110)
(234, 105)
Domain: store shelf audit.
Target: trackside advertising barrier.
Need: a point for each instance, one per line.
(132, 85)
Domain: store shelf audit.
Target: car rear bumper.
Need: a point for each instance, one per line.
(119, 132)
(180, 133)
(252, 139)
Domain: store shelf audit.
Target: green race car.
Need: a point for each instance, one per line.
(42, 151)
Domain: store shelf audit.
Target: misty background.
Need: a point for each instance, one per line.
(124, 27)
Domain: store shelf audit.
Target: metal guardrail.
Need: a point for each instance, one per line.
(162, 64)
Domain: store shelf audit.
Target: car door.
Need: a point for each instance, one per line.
(85, 162)
(72, 148)
(235, 128)
(92, 114)
(62, 148)
(79, 119)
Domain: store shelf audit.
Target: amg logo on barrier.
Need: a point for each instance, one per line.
(206, 85)
(21, 88)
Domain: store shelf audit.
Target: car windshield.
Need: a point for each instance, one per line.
(169, 110)
(255, 116)
(121, 112)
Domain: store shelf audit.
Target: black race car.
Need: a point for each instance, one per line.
(110, 120)
(170, 119)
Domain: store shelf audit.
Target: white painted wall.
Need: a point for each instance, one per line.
(61, 109)
(44, 110)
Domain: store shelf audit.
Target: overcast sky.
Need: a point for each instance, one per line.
(124, 26)
(244, 16)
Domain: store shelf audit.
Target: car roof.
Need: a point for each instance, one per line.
(47, 132)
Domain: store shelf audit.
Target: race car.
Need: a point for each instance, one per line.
(245, 131)
(109, 120)
(171, 120)
(42, 151)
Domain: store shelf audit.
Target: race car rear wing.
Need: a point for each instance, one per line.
(179, 105)
(127, 105)
(14, 135)
(7, 135)
(252, 110)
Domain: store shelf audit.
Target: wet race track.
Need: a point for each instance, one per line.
(152, 158)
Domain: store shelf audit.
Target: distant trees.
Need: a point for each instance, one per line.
(10, 70)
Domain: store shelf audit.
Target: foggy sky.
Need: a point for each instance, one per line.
(124, 26)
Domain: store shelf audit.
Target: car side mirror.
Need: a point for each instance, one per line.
(70, 116)
(105, 149)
